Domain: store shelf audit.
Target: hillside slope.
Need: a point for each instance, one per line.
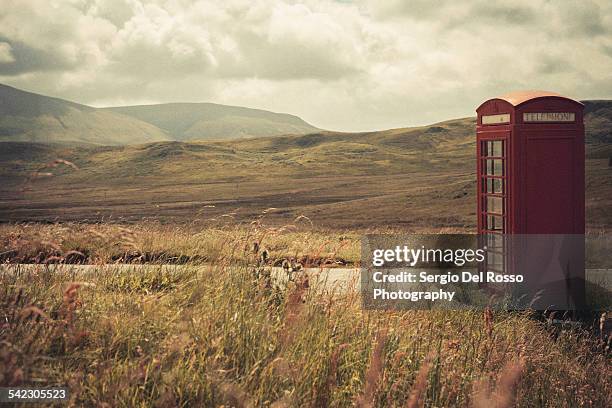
(29, 117)
(598, 121)
(410, 178)
(209, 121)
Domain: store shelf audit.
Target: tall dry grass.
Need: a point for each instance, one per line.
(152, 242)
(232, 333)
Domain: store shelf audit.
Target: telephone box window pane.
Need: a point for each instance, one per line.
(484, 148)
(495, 223)
(496, 260)
(497, 148)
(494, 167)
(493, 148)
(494, 186)
(494, 205)
(495, 241)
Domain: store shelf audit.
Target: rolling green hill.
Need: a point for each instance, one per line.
(209, 121)
(412, 178)
(30, 117)
(598, 122)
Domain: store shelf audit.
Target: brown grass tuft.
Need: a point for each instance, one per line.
(294, 309)
(504, 394)
(420, 384)
(374, 373)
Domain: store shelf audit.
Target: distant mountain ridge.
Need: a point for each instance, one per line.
(206, 121)
(30, 117)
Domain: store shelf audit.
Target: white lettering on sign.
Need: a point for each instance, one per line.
(496, 119)
(549, 117)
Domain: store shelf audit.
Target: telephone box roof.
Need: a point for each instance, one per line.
(519, 97)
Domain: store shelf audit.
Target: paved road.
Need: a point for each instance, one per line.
(332, 277)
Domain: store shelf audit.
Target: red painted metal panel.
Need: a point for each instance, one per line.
(549, 188)
(544, 162)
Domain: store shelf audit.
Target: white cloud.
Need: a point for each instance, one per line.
(6, 54)
(340, 65)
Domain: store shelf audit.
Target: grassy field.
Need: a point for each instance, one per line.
(225, 334)
(157, 243)
(411, 178)
(218, 332)
(336, 180)
(173, 244)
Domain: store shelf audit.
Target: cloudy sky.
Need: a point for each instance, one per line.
(343, 65)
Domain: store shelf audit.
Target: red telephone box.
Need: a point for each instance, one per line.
(530, 150)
